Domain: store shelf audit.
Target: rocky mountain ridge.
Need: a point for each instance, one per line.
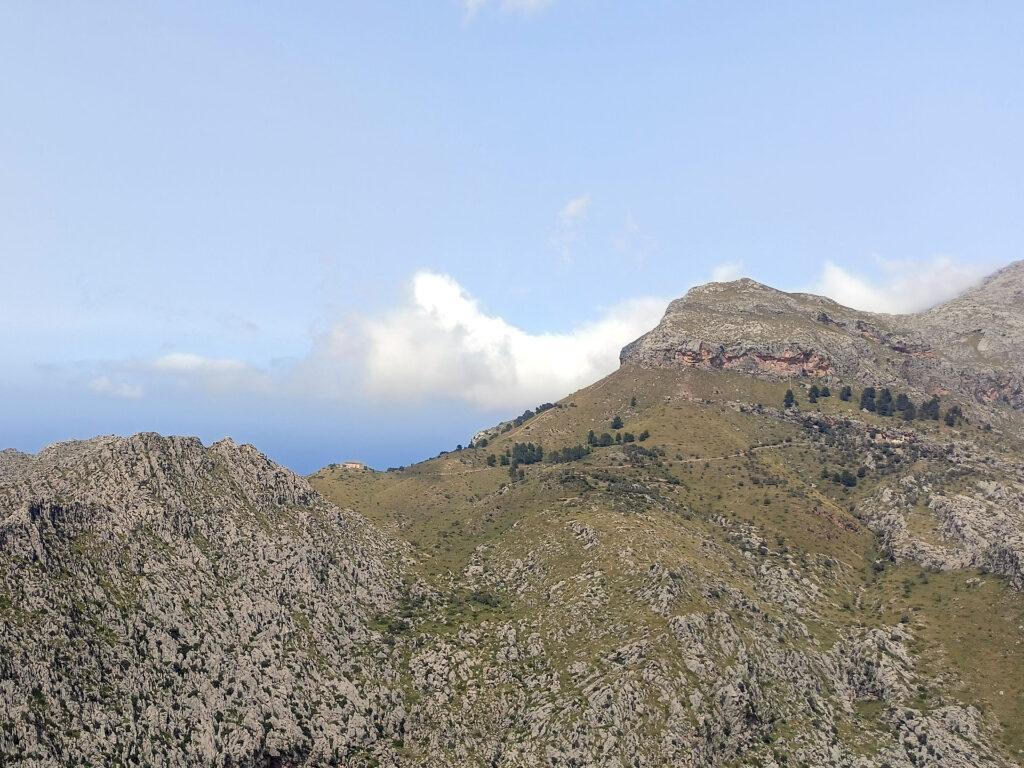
(167, 603)
(970, 345)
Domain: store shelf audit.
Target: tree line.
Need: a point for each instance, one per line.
(519, 454)
(882, 402)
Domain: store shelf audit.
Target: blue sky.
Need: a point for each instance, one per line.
(367, 229)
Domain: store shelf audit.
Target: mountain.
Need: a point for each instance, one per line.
(716, 580)
(166, 603)
(970, 346)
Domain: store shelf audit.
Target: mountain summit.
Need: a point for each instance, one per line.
(972, 345)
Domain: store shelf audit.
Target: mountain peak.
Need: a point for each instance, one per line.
(149, 470)
(745, 325)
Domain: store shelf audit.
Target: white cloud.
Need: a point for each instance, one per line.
(899, 285)
(436, 344)
(104, 385)
(730, 270)
(523, 7)
(214, 374)
(443, 344)
(570, 218)
(575, 210)
(186, 362)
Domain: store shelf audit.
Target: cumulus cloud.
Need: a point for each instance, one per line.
(441, 343)
(438, 343)
(104, 385)
(730, 270)
(899, 285)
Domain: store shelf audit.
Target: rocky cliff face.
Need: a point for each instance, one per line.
(972, 346)
(165, 603)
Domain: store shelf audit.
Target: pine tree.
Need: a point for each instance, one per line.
(867, 399)
(526, 453)
(492, 460)
(812, 394)
(643, 435)
(617, 422)
(826, 392)
(929, 409)
(789, 400)
(883, 406)
(953, 415)
(846, 394)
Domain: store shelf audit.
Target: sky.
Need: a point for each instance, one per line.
(366, 230)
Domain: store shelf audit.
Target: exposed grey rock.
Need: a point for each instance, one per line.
(980, 527)
(165, 603)
(971, 346)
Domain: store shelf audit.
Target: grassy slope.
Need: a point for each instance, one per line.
(718, 462)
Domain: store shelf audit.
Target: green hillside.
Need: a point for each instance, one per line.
(721, 515)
